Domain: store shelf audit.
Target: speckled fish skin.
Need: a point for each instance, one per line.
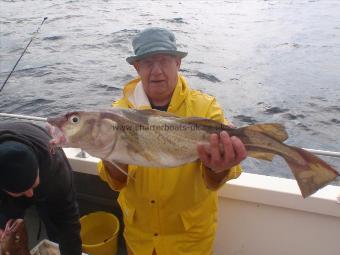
(14, 240)
(158, 139)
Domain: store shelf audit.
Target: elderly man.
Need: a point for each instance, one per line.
(31, 175)
(171, 211)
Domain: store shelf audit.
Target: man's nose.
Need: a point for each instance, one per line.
(29, 193)
(156, 68)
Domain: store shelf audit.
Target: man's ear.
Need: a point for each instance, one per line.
(136, 66)
(178, 62)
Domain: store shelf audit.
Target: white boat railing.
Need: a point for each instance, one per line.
(335, 154)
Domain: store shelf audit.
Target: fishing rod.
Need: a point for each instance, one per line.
(25, 117)
(22, 54)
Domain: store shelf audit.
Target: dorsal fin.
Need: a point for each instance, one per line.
(274, 130)
(204, 122)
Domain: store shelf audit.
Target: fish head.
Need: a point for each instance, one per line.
(62, 128)
(82, 129)
(14, 240)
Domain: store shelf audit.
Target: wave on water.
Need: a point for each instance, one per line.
(275, 110)
(201, 75)
(54, 38)
(246, 119)
(176, 20)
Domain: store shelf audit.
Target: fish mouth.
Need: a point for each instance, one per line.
(58, 137)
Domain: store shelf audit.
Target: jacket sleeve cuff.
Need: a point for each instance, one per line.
(103, 173)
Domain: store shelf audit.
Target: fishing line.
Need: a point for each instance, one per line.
(22, 54)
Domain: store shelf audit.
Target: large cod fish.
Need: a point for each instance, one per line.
(158, 139)
(14, 240)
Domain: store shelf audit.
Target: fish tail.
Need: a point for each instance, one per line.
(311, 174)
(264, 141)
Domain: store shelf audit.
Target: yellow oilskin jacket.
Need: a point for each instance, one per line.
(174, 210)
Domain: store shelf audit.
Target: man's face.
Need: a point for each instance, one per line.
(27, 193)
(159, 74)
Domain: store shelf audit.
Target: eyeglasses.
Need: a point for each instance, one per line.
(163, 62)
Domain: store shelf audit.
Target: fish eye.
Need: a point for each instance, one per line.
(74, 119)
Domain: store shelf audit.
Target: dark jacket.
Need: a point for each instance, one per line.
(54, 198)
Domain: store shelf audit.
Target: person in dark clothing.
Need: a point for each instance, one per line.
(31, 175)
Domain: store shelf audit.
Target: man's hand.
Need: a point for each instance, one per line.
(1, 235)
(222, 153)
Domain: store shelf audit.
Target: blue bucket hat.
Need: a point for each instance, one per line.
(152, 41)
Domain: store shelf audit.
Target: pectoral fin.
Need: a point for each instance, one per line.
(122, 171)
